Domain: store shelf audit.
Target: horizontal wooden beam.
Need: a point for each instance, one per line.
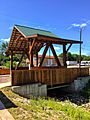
(54, 40)
(25, 49)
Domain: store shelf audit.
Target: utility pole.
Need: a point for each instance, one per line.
(81, 28)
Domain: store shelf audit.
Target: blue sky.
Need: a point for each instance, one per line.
(56, 16)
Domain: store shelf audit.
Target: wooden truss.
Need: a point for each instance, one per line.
(31, 45)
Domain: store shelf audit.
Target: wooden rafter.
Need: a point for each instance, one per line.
(55, 55)
(22, 44)
(16, 42)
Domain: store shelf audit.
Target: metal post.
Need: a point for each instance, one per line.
(80, 48)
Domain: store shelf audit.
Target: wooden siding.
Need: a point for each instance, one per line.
(48, 76)
(4, 71)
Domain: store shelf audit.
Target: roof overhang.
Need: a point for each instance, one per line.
(54, 40)
(19, 42)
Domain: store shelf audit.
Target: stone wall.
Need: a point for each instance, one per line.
(78, 84)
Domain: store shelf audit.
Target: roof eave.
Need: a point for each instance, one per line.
(55, 38)
(20, 31)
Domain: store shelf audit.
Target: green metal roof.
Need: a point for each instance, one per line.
(28, 31)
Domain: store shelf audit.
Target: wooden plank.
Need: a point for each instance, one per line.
(47, 76)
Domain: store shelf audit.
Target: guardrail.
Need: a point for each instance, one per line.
(55, 76)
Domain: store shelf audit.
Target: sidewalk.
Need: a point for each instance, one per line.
(5, 80)
(5, 84)
(4, 114)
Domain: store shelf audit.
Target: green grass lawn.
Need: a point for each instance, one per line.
(45, 109)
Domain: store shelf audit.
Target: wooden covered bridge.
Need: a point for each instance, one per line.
(29, 41)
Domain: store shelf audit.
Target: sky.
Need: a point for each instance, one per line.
(62, 17)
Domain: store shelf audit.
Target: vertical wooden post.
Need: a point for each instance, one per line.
(64, 56)
(31, 54)
(11, 60)
(37, 59)
(11, 63)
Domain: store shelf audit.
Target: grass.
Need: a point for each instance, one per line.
(45, 109)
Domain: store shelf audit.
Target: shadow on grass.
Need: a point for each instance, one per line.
(77, 98)
(6, 101)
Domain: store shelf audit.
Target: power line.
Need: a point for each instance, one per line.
(85, 49)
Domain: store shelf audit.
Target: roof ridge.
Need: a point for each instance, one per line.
(33, 28)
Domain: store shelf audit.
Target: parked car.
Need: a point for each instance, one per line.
(85, 63)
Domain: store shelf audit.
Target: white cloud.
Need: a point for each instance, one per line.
(5, 39)
(10, 28)
(75, 25)
(82, 25)
(56, 48)
(79, 25)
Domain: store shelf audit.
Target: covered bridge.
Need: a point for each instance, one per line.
(29, 41)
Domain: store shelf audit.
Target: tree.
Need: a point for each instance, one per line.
(3, 57)
(75, 57)
(70, 57)
(3, 47)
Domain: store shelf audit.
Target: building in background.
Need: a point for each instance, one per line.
(48, 61)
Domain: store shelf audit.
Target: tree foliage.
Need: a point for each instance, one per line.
(75, 57)
(3, 57)
(3, 47)
(4, 60)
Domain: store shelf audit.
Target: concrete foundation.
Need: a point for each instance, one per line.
(38, 89)
(29, 90)
(78, 84)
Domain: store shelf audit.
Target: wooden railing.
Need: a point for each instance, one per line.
(48, 76)
(4, 71)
